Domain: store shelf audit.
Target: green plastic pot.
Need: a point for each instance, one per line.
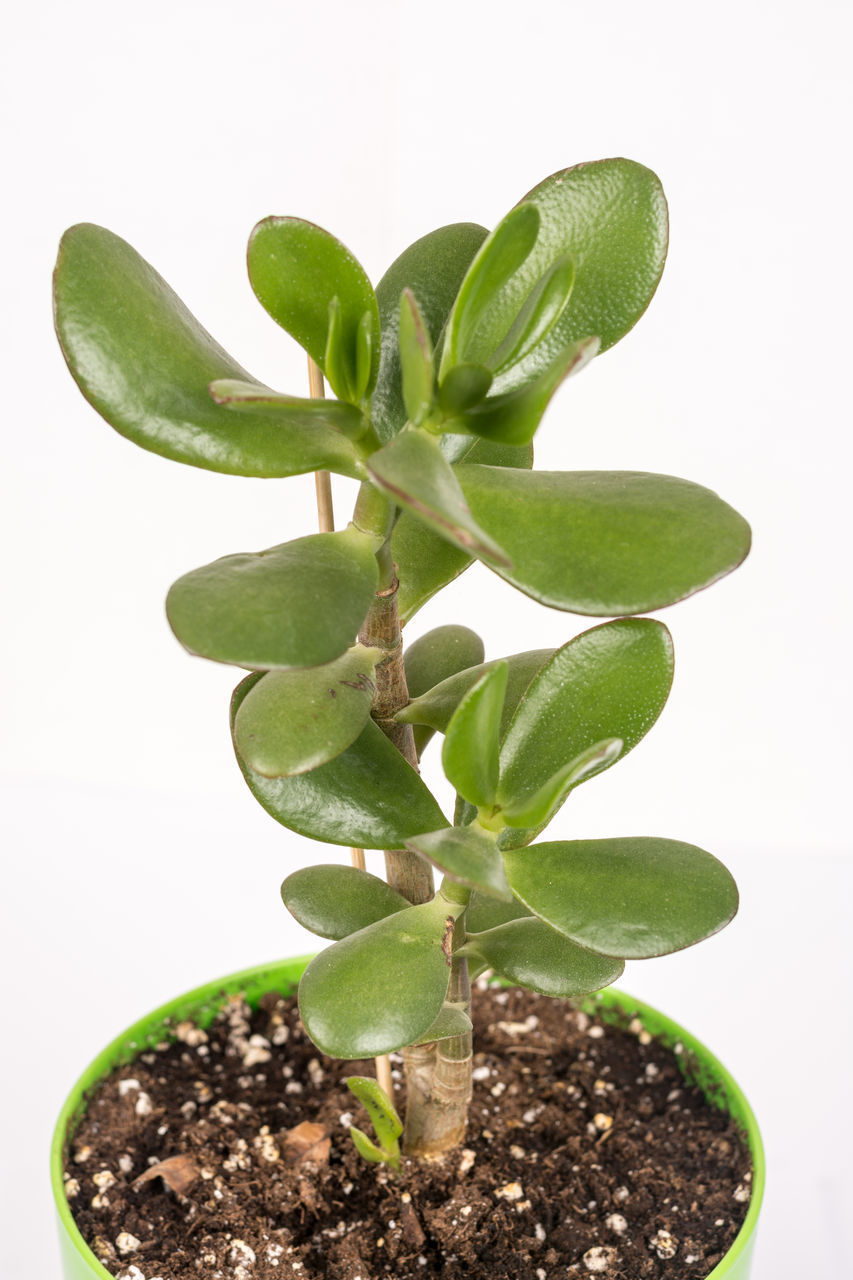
(697, 1063)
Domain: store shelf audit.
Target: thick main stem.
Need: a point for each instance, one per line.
(438, 1082)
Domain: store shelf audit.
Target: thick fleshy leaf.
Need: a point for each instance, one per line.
(437, 705)
(634, 897)
(611, 218)
(432, 658)
(528, 952)
(471, 745)
(534, 811)
(145, 363)
(465, 854)
(479, 319)
(464, 386)
(484, 912)
(249, 396)
(425, 561)
(433, 268)
(383, 1114)
(414, 473)
(335, 901)
(542, 309)
(293, 721)
(416, 365)
(605, 543)
(297, 605)
(368, 797)
(611, 682)
(296, 270)
(451, 1021)
(514, 416)
(379, 989)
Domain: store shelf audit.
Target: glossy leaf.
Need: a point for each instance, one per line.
(465, 854)
(514, 416)
(432, 658)
(436, 707)
(383, 1115)
(145, 363)
(471, 744)
(470, 335)
(296, 605)
(452, 1021)
(531, 954)
(433, 268)
(414, 473)
(463, 386)
(609, 683)
(541, 310)
(484, 912)
(293, 721)
(296, 270)
(368, 797)
(425, 561)
(634, 897)
(368, 1150)
(536, 810)
(290, 410)
(335, 901)
(610, 217)
(416, 366)
(379, 989)
(605, 543)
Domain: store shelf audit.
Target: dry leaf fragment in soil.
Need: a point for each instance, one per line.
(178, 1172)
(307, 1141)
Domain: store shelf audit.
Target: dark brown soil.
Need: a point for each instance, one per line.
(586, 1154)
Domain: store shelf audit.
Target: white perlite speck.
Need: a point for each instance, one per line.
(72, 1189)
(510, 1191)
(600, 1257)
(241, 1254)
(467, 1161)
(664, 1244)
(126, 1243)
(132, 1273)
(481, 1073)
(616, 1223)
(103, 1179)
(188, 1033)
(621, 1194)
(128, 1086)
(741, 1193)
(144, 1105)
(125, 1163)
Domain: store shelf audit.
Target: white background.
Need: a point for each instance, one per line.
(137, 865)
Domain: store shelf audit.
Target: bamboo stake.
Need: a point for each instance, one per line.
(326, 522)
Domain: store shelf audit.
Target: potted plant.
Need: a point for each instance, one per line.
(441, 378)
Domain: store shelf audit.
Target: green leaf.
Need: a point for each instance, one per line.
(538, 809)
(368, 797)
(610, 217)
(432, 658)
(484, 912)
(293, 721)
(465, 854)
(335, 901)
(514, 416)
(452, 1021)
(470, 752)
(145, 363)
(464, 386)
(542, 308)
(297, 269)
(471, 326)
(289, 410)
(436, 706)
(379, 989)
(414, 473)
(415, 360)
(433, 268)
(366, 1149)
(609, 683)
(529, 953)
(425, 561)
(296, 605)
(605, 543)
(634, 897)
(383, 1115)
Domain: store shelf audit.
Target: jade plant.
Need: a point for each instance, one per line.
(441, 376)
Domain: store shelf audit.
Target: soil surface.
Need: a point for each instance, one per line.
(586, 1155)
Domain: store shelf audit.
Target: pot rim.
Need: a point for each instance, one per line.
(613, 1004)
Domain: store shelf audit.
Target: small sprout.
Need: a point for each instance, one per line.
(386, 1123)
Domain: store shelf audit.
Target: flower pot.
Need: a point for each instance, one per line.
(202, 1004)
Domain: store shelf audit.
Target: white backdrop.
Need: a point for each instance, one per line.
(139, 864)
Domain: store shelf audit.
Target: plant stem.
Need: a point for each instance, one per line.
(438, 1082)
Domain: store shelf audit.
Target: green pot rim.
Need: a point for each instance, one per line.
(202, 1003)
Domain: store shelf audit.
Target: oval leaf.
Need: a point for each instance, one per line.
(380, 988)
(293, 721)
(335, 901)
(634, 897)
(296, 270)
(484, 912)
(145, 363)
(297, 605)
(415, 360)
(605, 543)
(542, 308)
(538, 809)
(465, 854)
(470, 752)
(290, 410)
(528, 952)
(439, 654)
(436, 707)
(452, 1021)
(433, 268)
(368, 797)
